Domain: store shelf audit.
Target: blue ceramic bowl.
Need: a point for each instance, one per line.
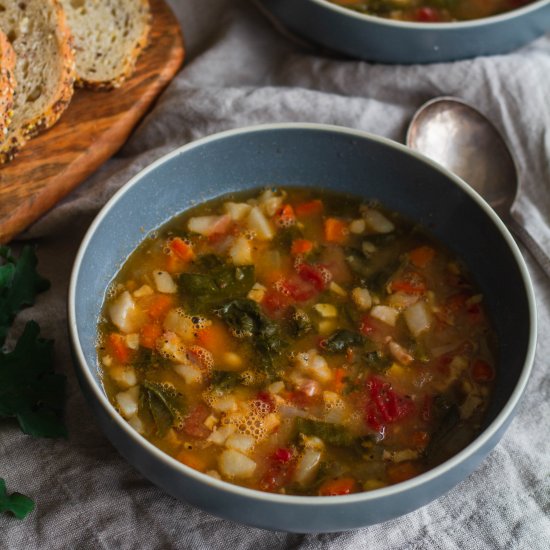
(319, 156)
(387, 41)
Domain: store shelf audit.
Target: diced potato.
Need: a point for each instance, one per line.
(241, 251)
(257, 292)
(164, 282)
(401, 300)
(124, 376)
(211, 421)
(307, 466)
(171, 347)
(262, 227)
(276, 387)
(208, 225)
(312, 442)
(107, 360)
(127, 402)
(357, 227)
(240, 442)
(385, 314)
(418, 318)
(361, 298)
(142, 291)
(326, 310)
(237, 210)
(270, 202)
(132, 340)
(314, 365)
(221, 434)
(124, 313)
(225, 403)
(377, 222)
(178, 321)
(235, 465)
(271, 421)
(190, 373)
(137, 424)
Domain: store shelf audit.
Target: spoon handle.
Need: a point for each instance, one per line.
(542, 256)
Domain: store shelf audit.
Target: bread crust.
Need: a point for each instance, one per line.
(130, 61)
(7, 84)
(60, 99)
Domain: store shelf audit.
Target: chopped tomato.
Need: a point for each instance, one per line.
(426, 14)
(310, 208)
(267, 399)
(301, 246)
(182, 249)
(149, 334)
(319, 276)
(282, 455)
(117, 346)
(482, 371)
(285, 217)
(339, 486)
(385, 405)
(410, 283)
(336, 231)
(275, 302)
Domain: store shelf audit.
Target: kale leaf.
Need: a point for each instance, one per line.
(19, 285)
(224, 380)
(377, 361)
(30, 391)
(333, 434)
(219, 281)
(16, 503)
(162, 404)
(342, 339)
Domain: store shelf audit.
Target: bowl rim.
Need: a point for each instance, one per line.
(482, 21)
(403, 487)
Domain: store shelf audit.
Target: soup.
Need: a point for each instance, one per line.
(299, 342)
(431, 11)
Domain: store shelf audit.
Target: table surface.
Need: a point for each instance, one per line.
(241, 71)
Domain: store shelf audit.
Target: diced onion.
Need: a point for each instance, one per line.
(241, 251)
(221, 434)
(124, 376)
(240, 442)
(376, 221)
(258, 223)
(208, 225)
(307, 466)
(225, 403)
(127, 402)
(190, 373)
(237, 210)
(124, 313)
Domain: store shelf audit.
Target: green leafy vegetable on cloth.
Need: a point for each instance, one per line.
(16, 503)
(30, 390)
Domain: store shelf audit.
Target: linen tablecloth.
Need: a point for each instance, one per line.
(241, 71)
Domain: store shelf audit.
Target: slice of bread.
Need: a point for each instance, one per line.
(44, 69)
(109, 36)
(7, 84)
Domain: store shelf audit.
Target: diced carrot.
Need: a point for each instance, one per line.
(173, 263)
(215, 338)
(338, 380)
(422, 256)
(159, 306)
(192, 460)
(149, 334)
(482, 371)
(336, 231)
(117, 346)
(402, 471)
(301, 246)
(182, 249)
(309, 208)
(340, 486)
(285, 216)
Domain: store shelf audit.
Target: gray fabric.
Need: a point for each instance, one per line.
(239, 72)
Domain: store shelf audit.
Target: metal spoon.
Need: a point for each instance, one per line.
(459, 137)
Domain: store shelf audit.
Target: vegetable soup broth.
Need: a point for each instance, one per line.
(432, 10)
(296, 341)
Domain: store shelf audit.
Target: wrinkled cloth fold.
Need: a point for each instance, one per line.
(240, 71)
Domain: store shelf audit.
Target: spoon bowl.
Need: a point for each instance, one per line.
(463, 140)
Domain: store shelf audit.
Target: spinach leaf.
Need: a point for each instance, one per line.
(297, 322)
(19, 285)
(333, 434)
(219, 282)
(377, 361)
(224, 380)
(16, 503)
(342, 339)
(162, 404)
(30, 391)
(284, 237)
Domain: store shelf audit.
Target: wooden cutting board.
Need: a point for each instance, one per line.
(91, 130)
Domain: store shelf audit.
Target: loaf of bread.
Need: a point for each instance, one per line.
(7, 84)
(44, 69)
(108, 36)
